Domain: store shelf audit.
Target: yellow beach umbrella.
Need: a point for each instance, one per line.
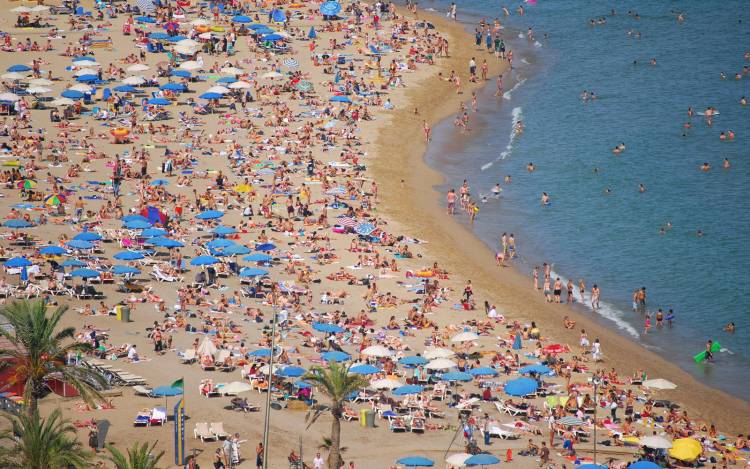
(243, 188)
(685, 449)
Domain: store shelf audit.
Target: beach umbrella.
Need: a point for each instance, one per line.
(185, 50)
(87, 78)
(570, 421)
(440, 364)
(60, 102)
(26, 184)
(278, 16)
(335, 356)
(165, 391)
(158, 182)
(79, 244)
(414, 360)
(224, 230)
(644, 465)
(210, 96)
(72, 94)
(181, 73)
(291, 63)
(159, 102)
(134, 217)
(218, 89)
(377, 351)
(457, 460)
(226, 80)
(438, 352)
(207, 347)
(591, 466)
(304, 86)
(84, 273)
(52, 251)
(209, 215)
(9, 97)
(466, 336)
(138, 67)
(327, 328)
(456, 376)
(19, 68)
(364, 369)
(521, 387)
(146, 6)
(137, 225)
(129, 256)
(257, 257)
(539, 369)
(13, 76)
(236, 250)
(291, 372)
(242, 19)
(482, 459)
(340, 99)
(330, 8)
(416, 461)
(153, 232)
(273, 37)
(187, 43)
(264, 352)
(218, 243)
(265, 247)
(204, 260)
(16, 223)
(659, 383)
(39, 8)
(54, 199)
(86, 63)
(656, 442)
(125, 270)
(236, 387)
(385, 383)
(40, 82)
(171, 86)
(125, 89)
(163, 242)
(483, 371)
(240, 85)
(73, 263)
(84, 71)
(408, 389)
(134, 81)
(38, 90)
(21, 9)
(17, 263)
(251, 272)
(190, 65)
(685, 449)
(82, 87)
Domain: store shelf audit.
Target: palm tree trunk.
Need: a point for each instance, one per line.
(334, 455)
(32, 403)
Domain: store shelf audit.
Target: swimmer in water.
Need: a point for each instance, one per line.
(729, 327)
(641, 188)
(743, 101)
(607, 191)
(669, 225)
(699, 233)
(662, 231)
(726, 164)
(497, 190)
(530, 167)
(507, 179)
(690, 111)
(545, 198)
(653, 61)
(705, 167)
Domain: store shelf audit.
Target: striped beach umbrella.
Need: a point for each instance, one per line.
(291, 63)
(304, 86)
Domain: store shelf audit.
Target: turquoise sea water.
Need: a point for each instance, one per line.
(613, 240)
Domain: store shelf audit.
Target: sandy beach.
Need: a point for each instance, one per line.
(268, 147)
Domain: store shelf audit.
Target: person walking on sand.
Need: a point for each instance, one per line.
(499, 82)
(595, 294)
(544, 454)
(427, 131)
(451, 198)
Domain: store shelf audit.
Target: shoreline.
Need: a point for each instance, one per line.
(464, 254)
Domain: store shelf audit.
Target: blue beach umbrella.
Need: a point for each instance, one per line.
(165, 391)
(413, 361)
(73, 263)
(456, 376)
(72, 94)
(125, 89)
(591, 466)
(264, 352)
(226, 80)
(218, 243)
(19, 68)
(84, 273)
(242, 19)
(204, 260)
(257, 257)
(159, 35)
(173, 86)
(87, 78)
(521, 387)
(16, 223)
(335, 356)
(128, 218)
(125, 270)
(540, 369)
(87, 236)
(482, 459)
(291, 372)
(364, 369)
(159, 182)
(137, 225)
(265, 247)
(159, 102)
(210, 96)
(408, 389)
(327, 328)
(278, 16)
(415, 461)
(340, 99)
(209, 215)
(644, 465)
(163, 242)
(483, 371)
(79, 244)
(17, 262)
(153, 232)
(365, 229)
(273, 37)
(330, 8)
(181, 73)
(129, 256)
(224, 230)
(177, 38)
(251, 272)
(52, 250)
(235, 250)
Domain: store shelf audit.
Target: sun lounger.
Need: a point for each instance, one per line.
(417, 425)
(510, 410)
(142, 391)
(397, 425)
(201, 431)
(217, 428)
(503, 434)
(188, 356)
(142, 419)
(350, 414)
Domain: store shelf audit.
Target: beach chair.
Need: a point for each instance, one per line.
(510, 410)
(142, 391)
(142, 419)
(217, 428)
(417, 425)
(397, 425)
(503, 434)
(350, 414)
(188, 356)
(202, 431)
(158, 416)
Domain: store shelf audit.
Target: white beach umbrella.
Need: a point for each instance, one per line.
(59, 102)
(21, 9)
(466, 336)
(138, 68)
(659, 383)
(440, 364)
(85, 71)
(40, 82)
(82, 87)
(236, 387)
(134, 81)
(276, 368)
(187, 43)
(377, 351)
(232, 71)
(272, 75)
(13, 76)
(190, 65)
(207, 347)
(86, 63)
(185, 50)
(457, 460)
(39, 8)
(200, 22)
(37, 90)
(218, 89)
(437, 352)
(386, 383)
(206, 35)
(240, 85)
(12, 97)
(656, 442)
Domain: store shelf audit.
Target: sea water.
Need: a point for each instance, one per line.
(614, 240)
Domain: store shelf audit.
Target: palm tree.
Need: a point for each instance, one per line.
(38, 443)
(336, 383)
(139, 457)
(39, 352)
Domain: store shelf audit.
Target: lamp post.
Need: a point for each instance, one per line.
(268, 395)
(595, 381)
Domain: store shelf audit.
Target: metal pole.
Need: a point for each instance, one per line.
(596, 406)
(268, 396)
